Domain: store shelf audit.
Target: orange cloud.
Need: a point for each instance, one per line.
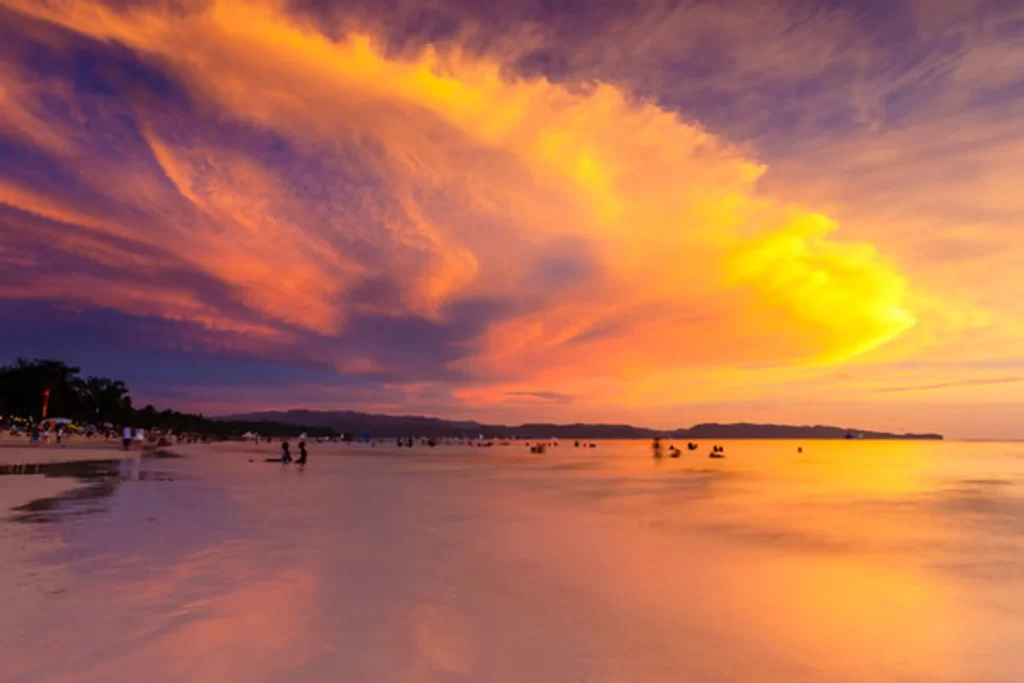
(630, 250)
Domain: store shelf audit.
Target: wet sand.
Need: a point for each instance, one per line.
(37, 467)
(846, 563)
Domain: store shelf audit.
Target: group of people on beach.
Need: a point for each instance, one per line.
(43, 435)
(131, 437)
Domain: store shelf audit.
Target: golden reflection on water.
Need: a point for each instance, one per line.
(847, 562)
(442, 643)
(845, 553)
(848, 613)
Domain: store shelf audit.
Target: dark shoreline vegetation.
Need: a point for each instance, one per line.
(102, 401)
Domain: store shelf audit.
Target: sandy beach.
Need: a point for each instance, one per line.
(18, 449)
(463, 564)
(18, 456)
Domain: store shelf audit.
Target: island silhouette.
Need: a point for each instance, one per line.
(388, 426)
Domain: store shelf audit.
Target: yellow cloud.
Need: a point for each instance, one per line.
(665, 255)
(841, 292)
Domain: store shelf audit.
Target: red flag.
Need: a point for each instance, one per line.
(46, 401)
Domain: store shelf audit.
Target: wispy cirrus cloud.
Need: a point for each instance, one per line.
(953, 385)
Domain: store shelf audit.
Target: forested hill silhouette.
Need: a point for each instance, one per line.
(104, 403)
(386, 426)
(100, 400)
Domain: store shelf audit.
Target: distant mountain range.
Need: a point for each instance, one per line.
(391, 426)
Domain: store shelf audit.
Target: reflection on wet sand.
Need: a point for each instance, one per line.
(100, 479)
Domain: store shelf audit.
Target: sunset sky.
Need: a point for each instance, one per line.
(659, 213)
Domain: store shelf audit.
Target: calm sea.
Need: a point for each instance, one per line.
(851, 561)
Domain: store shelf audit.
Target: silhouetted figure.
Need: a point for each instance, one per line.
(673, 452)
(656, 447)
(285, 457)
(800, 449)
(302, 453)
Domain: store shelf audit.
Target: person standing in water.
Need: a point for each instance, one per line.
(302, 453)
(285, 457)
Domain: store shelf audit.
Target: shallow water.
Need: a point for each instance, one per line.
(853, 561)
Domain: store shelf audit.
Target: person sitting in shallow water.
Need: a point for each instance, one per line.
(286, 455)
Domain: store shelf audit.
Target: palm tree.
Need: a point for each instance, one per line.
(106, 400)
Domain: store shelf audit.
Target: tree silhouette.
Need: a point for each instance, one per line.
(100, 401)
